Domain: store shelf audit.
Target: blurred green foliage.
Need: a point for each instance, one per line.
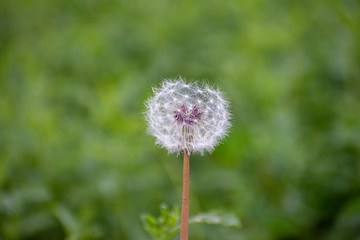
(75, 159)
(167, 225)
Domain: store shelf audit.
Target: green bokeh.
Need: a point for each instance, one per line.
(75, 159)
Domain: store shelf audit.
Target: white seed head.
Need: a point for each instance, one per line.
(187, 117)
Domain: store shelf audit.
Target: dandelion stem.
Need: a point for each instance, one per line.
(185, 199)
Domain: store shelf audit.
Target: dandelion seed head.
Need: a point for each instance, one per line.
(187, 116)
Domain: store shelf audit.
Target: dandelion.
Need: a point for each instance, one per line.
(187, 118)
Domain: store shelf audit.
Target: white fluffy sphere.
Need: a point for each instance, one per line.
(187, 117)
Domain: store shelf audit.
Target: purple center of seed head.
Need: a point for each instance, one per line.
(183, 115)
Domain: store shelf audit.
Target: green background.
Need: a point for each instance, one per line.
(76, 161)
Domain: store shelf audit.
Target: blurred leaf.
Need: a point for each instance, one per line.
(68, 221)
(216, 218)
(161, 228)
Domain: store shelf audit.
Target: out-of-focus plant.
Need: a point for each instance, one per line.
(167, 225)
